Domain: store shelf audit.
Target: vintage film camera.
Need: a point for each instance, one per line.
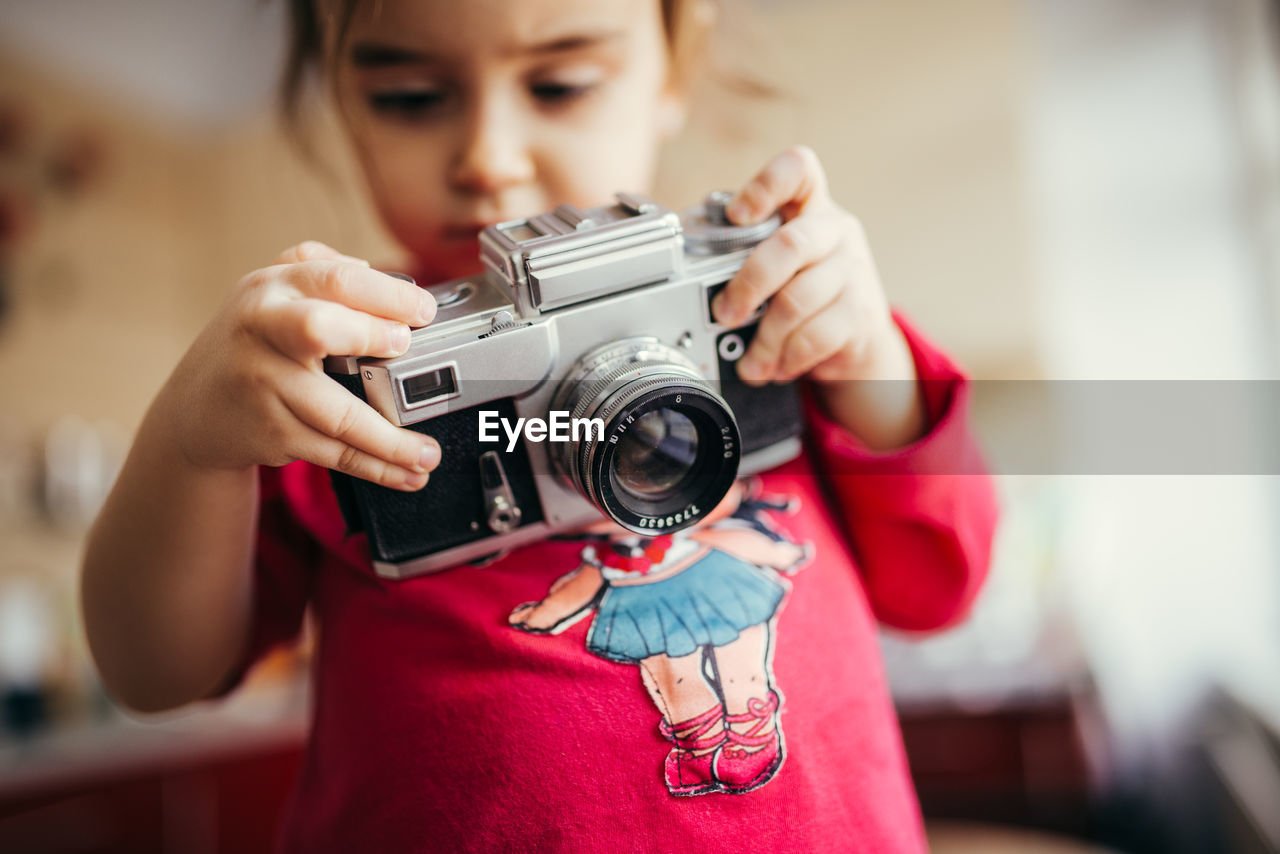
(602, 316)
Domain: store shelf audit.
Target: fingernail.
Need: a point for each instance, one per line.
(426, 308)
(749, 368)
(414, 482)
(739, 211)
(399, 338)
(429, 456)
(720, 310)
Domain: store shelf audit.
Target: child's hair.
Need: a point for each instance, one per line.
(684, 21)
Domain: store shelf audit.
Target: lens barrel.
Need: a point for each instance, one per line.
(671, 445)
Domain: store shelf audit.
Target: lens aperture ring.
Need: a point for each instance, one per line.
(588, 399)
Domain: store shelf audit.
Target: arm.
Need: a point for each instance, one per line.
(166, 585)
(569, 599)
(166, 582)
(889, 412)
(921, 517)
(754, 547)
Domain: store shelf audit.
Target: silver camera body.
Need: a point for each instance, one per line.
(601, 317)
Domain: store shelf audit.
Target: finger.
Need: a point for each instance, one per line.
(314, 250)
(308, 329)
(787, 182)
(358, 431)
(810, 292)
(794, 246)
(815, 341)
(850, 360)
(363, 289)
(315, 447)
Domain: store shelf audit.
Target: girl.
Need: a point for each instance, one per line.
(442, 719)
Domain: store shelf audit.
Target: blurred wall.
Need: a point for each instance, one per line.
(915, 109)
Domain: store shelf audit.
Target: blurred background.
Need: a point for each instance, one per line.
(1080, 200)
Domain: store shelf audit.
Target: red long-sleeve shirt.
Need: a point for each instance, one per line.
(439, 726)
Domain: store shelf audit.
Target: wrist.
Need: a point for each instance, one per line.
(878, 398)
(170, 436)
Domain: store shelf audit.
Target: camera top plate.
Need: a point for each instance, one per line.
(568, 256)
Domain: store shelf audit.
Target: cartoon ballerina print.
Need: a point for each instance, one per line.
(696, 612)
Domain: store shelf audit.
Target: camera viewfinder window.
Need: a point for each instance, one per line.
(429, 386)
(521, 232)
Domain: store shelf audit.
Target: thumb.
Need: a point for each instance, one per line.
(787, 183)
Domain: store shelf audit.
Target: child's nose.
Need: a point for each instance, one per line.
(494, 153)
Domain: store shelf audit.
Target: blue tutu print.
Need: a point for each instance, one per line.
(702, 636)
(708, 603)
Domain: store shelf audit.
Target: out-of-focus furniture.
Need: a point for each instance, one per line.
(1025, 762)
(211, 780)
(965, 838)
(227, 803)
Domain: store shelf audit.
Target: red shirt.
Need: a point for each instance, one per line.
(440, 726)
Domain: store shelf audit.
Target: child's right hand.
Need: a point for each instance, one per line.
(252, 389)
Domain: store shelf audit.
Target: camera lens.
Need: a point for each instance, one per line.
(657, 455)
(670, 448)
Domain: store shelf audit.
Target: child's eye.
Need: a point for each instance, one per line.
(553, 93)
(407, 103)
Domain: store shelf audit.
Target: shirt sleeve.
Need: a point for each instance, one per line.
(284, 553)
(920, 518)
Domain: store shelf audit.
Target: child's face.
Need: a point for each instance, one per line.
(465, 114)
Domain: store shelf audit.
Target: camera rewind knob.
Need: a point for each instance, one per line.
(707, 230)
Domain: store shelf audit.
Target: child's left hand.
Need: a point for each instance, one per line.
(828, 317)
